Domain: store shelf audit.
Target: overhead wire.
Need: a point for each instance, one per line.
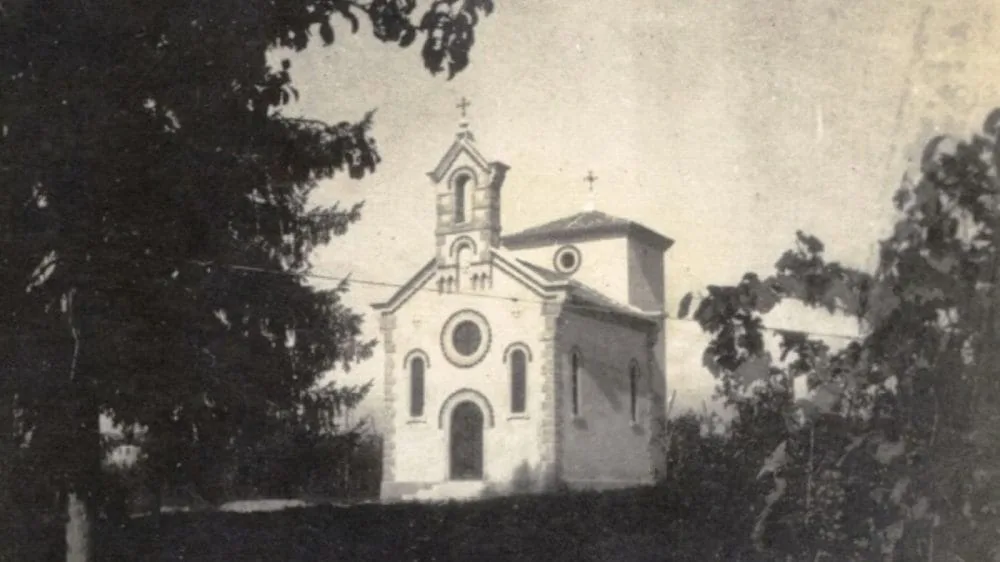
(349, 279)
(509, 299)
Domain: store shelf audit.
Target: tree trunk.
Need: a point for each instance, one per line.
(84, 449)
(347, 471)
(157, 503)
(79, 530)
(81, 524)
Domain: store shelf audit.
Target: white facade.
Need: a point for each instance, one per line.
(507, 363)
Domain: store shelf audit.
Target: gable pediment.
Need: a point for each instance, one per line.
(423, 280)
(463, 145)
(537, 281)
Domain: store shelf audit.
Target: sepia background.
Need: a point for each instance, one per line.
(724, 125)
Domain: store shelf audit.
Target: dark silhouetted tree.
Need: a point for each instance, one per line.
(143, 155)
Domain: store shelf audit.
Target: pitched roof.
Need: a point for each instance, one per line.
(584, 225)
(581, 221)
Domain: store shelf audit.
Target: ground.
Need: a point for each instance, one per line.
(633, 525)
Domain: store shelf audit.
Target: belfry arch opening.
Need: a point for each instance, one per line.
(461, 188)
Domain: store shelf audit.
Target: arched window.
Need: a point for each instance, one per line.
(574, 381)
(460, 194)
(417, 368)
(518, 380)
(633, 383)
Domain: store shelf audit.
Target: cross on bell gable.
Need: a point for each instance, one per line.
(463, 104)
(463, 124)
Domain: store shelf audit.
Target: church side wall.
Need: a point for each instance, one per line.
(419, 453)
(647, 290)
(646, 276)
(601, 447)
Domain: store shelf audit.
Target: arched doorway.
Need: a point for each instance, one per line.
(466, 442)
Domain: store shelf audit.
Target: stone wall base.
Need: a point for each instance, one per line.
(395, 491)
(600, 485)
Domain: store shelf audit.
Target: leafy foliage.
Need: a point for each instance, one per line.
(152, 187)
(894, 452)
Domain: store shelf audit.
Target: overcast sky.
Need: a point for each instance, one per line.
(725, 125)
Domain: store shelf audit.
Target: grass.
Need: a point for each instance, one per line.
(632, 525)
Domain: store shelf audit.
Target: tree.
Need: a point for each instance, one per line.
(143, 157)
(895, 453)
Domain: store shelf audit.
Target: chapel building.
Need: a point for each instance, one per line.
(532, 359)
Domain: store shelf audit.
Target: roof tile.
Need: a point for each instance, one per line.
(578, 222)
(582, 224)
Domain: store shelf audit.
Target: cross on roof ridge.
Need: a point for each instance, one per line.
(591, 202)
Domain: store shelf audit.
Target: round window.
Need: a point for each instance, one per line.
(567, 259)
(465, 338)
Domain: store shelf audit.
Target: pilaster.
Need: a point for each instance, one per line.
(550, 425)
(387, 326)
